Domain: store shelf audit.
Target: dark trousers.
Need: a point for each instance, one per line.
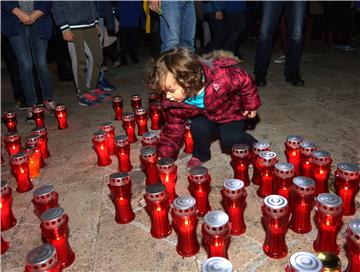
(217, 30)
(128, 42)
(235, 23)
(205, 131)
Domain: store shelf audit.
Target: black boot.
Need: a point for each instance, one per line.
(294, 79)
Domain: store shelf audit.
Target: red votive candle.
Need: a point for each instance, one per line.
(266, 162)
(347, 185)
(4, 245)
(184, 223)
(20, 169)
(216, 234)
(61, 116)
(304, 262)
(157, 207)
(217, 264)
(44, 198)
(306, 149)
(54, 228)
(283, 176)
(10, 121)
(7, 216)
(129, 126)
(199, 187)
(12, 141)
(320, 170)
(328, 220)
(167, 170)
(109, 129)
(141, 120)
(136, 101)
(34, 161)
(302, 202)
(353, 245)
(38, 116)
(150, 138)
(240, 160)
(33, 141)
(256, 149)
(101, 148)
(43, 141)
(117, 104)
(292, 151)
(120, 192)
(122, 151)
(275, 222)
(234, 203)
(43, 259)
(155, 116)
(149, 160)
(153, 98)
(188, 139)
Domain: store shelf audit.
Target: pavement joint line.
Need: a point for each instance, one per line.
(261, 256)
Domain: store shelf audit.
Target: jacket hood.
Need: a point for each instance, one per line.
(220, 58)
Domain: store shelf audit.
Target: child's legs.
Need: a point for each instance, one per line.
(81, 61)
(203, 133)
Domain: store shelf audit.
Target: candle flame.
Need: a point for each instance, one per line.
(158, 209)
(186, 222)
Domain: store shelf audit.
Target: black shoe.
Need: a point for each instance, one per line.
(20, 104)
(260, 81)
(124, 62)
(135, 60)
(295, 80)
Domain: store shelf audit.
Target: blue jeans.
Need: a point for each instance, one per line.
(177, 24)
(29, 48)
(295, 12)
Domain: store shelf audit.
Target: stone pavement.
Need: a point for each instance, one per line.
(325, 111)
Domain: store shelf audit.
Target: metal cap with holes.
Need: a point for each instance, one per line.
(19, 158)
(149, 137)
(140, 111)
(44, 194)
(119, 179)
(305, 262)
(217, 264)
(329, 203)
(155, 192)
(216, 222)
(307, 148)
(304, 185)
(32, 139)
(148, 152)
(321, 157)
(267, 158)
(166, 165)
(294, 141)
(121, 140)
(5, 188)
(348, 171)
(41, 258)
(259, 147)
(240, 150)
(60, 107)
(135, 97)
(188, 124)
(184, 206)
(11, 137)
(276, 206)
(128, 116)
(354, 230)
(41, 131)
(234, 188)
(106, 126)
(9, 114)
(198, 174)
(37, 109)
(99, 136)
(117, 99)
(284, 170)
(53, 218)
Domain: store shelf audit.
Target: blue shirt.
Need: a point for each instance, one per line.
(197, 101)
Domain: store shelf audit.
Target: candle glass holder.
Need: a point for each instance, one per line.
(234, 203)
(120, 193)
(109, 129)
(320, 170)
(188, 139)
(10, 121)
(266, 161)
(33, 141)
(306, 149)
(304, 262)
(44, 198)
(149, 160)
(199, 187)
(122, 152)
(216, 264)
(328, 220)
(129, 126)
(153, 98)
(256, 149)
(155, 116)
(292, 151)
(185, 223)
(34, 161)
(167, 170)
(240, 160)
(20, 169)
(150, 139)
(275, 222)
(353, 245)
(136, 101)
(38, 116)
(8, 219)
(12, 142)
(42, 259)
(101, 148)
(54, 228)
(301, 204)
(157, 207)
(330, 262)
(347, 185)
(4, 245)
(117, 105)
(61, 116)
(141, 120)
(283, 175)
(43, 140)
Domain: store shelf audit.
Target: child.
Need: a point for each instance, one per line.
(212, 91)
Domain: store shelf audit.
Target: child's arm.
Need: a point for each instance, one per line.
(248, 92)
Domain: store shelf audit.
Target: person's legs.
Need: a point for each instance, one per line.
(81, 61)
(218, 30)
(188, 25)
(123, 37)
(170, 24)
(235, 25)
(132, 43)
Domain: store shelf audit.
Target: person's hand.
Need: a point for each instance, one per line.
(25, 18)
(249, 114)
(155, 5)
(97, 27)
(68, 36)
(219, 15)
(36, 14)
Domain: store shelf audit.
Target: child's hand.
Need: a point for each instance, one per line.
(249, 114)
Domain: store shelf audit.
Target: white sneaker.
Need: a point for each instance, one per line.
(29, 116)
(50, 106)
(280, 59)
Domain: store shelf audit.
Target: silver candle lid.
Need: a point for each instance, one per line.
(216, 222)
(233, 188)
(307, 147)
(259, 147)
(106, 126)
(154, 95)
(44, 194)
(329, 203)
(321, 157)
(9, 114)
(5, 188)
(128, 116)
(117, 99)
(53, 218)
(37, 109)
(29, 150)
(155, 192)
(267, 158)
(41, 131)
(119, 179)
(354, 230)
(304, 185)
(18, 158)
(99, 136)
(42, 258)
(135, 97)
(188, 124)
(121, 140)
(240, 150)
(184, 205)
(166, 165)
(305, 262)
(147, 152)
(140, 111)
(32, 139)
(149, 137)
(198, 174)
(217, 264)
(294, 141)
(348, 171)
(284, 170)
(276, 205)
(155, 106)
(60, 107)
(11, 136)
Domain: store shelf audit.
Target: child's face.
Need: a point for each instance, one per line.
(173, 91)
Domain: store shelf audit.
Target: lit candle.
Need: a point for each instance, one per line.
(347, 185)
(141, 120)
(168, 174)
(109, 129)
(240, 160)
(256, 149)
(7, 216)
(185, 223)
(33, 140)
(10, 121)
(150, 139)
(129, 126)
(155, 116)
(149, 160)
(12, 141)
(306, 148)
(43, 259)
(4, 245)
(216, 234)
(353, 245)
(101, 148)
(266, 162)
(217, 264)
(54, 228)
(275, 221)
(199, 187)
(188, 140)
(34, 161)
(304, 262)
(20, 169)
(38, 116)
(117, 104)
(330, 262)
(61, 116)
(136, 101)
(43, 140)
(120, 192)
(153, 98)
(234, 203)
(122, 152)
(283, 175)
(157, 206)
(44, 198)
(292, 151)
(302, 202)
(320, 170)
(328, 219)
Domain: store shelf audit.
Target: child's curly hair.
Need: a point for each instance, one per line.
(185, 67)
